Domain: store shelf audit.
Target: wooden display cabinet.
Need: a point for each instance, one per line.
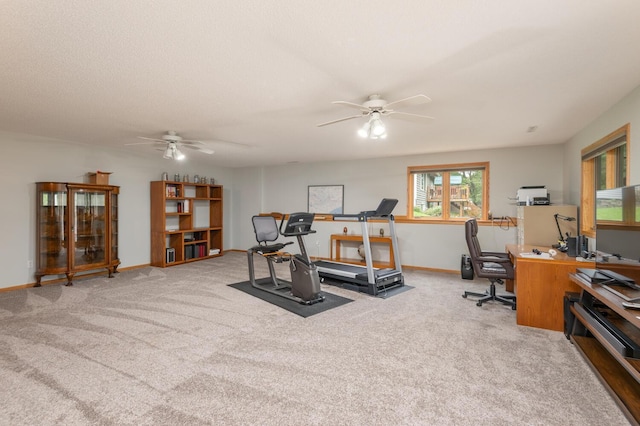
(77, 229)
(186, 222)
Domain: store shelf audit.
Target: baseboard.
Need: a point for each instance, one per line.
(64, 279)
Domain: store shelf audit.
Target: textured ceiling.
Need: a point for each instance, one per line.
(264, 73)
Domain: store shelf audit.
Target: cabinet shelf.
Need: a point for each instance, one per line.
(605, 351)
(184, 236)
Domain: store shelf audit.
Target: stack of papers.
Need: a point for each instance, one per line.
(542, 255)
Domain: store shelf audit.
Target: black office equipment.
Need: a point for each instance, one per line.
(569, 318)
(622, 343)
(466, 268)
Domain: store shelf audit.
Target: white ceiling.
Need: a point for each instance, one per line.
(264, 72)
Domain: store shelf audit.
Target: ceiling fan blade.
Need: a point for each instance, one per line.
(199, 149)
(212, 142)
(191, 142)
(152, 139)
(409, 116)
(145, 143)
(352, 105)
(342, 119)
(240, 144)
(410, 101)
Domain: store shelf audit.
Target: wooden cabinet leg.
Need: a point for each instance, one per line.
(69, 278)
(38, 281)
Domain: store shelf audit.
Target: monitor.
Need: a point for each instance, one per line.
(618, 235)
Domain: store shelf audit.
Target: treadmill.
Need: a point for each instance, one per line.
(367, 279)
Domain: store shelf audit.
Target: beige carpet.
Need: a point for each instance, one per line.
(177, 346)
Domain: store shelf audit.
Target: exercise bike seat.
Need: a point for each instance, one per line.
(270, 248)
(266, 230)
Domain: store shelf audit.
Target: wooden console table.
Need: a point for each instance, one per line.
(619, 374)
(338, 239)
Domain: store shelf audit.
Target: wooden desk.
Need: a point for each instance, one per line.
(338, 239)
(540, 285)
(619, 374)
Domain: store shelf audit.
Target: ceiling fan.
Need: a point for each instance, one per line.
(376, 107)
(171, 143)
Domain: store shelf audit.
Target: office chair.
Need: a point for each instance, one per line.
(494, 266)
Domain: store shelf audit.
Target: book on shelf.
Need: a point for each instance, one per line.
(171, 191)
(171, 255)
(188, 252)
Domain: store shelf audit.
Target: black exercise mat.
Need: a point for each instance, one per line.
(330, 300)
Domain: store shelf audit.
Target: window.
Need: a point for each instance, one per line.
(604, 166)
(448, 192)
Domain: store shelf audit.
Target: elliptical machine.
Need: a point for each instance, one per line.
(304, 286)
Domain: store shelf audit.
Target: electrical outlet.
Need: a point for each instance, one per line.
(29, 264)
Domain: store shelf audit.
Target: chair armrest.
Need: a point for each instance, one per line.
(495, 253)
(493, 259)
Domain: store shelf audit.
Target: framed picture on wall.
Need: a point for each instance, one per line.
(327, 199)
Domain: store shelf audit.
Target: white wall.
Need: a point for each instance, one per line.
(29, 159)
(366, 182)
(625, 111)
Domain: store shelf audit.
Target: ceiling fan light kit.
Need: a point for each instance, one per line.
(374, 128)
(365, 130)
(172, 152)
(375, 107)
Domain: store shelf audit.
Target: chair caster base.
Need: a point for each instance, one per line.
(491, 295)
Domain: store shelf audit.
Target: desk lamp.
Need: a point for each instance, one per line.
(562, 243)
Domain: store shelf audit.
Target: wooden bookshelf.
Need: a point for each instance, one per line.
(186, 222)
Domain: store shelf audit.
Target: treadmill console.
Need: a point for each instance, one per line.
(384, 209)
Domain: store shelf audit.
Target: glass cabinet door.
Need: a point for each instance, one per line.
(114, 227)
(52, 222)
(88, 228)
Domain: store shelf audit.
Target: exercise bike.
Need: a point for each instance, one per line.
(304, 286)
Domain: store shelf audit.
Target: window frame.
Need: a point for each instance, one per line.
(608, 145)
(445, 169)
